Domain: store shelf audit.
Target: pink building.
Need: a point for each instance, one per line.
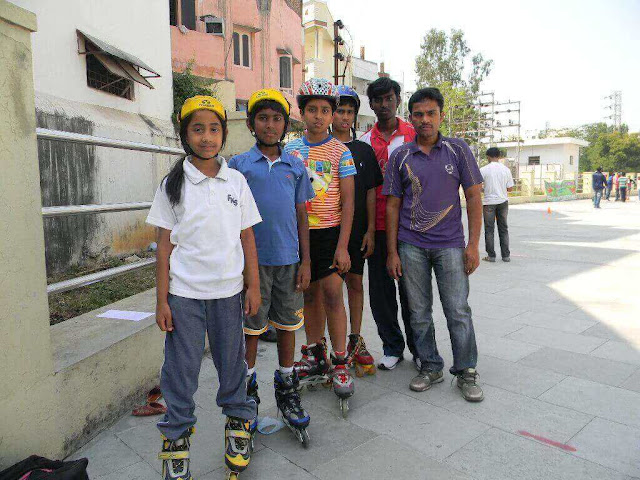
(243, 45)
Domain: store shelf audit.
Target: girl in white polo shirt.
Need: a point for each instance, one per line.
(206, 256)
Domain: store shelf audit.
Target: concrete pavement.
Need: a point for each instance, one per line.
(558, 333)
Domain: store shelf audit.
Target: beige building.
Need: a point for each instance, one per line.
(318, 23)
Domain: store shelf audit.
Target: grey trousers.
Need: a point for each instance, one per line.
(221, 319)
(496, 214)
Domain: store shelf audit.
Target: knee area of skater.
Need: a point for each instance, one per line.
(354, 284)
(333, 301)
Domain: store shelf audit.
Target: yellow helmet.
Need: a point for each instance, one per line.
(268, 94)
(202, 102)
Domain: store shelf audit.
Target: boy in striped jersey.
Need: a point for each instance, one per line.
(331, 169)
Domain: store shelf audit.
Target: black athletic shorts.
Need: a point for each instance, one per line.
(357, 255)
(322, 248)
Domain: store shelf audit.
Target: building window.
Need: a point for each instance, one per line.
(102, 79)
(285, 72)
(534, 160)
(242, 105)
(236, 48)
(173, 13)
(242, 49)
(188, 10)
(570, 159)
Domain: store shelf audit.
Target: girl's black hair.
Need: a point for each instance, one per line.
(175, 178)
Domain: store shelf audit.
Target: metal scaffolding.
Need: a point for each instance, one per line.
(489, 122)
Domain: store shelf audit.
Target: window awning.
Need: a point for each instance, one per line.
(287, 51)
(116, 61)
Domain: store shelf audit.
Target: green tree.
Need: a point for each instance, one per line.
(445, 59)
(185, 85)
(446, 62)
(616, 151)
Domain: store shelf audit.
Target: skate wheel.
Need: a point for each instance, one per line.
(359, 370)
(231, 475)
(344, 407)
(306, 440)
(371, 370)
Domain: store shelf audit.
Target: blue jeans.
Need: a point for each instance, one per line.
(597, 196)
(453, 286)
(220, 319)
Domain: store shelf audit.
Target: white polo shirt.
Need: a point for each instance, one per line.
(497, 178)
(207, 261)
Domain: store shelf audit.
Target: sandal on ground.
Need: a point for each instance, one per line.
(150, 409)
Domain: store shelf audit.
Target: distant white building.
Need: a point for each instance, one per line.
(364, 72)
(560, 155)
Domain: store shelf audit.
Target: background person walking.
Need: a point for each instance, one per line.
(598, 183)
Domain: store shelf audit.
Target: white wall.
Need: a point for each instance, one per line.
(138, 27)
(76, 174)
(549, 155)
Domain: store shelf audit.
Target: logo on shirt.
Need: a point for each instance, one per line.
(449, 168)
(232, 200)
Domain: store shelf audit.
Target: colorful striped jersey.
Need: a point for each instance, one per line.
(327, 162)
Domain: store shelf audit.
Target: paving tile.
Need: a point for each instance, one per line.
(331, 437)
(432, 430)
(633, 382)
(493, 327)
(101, 452)
(207, 445)
(137, 471)
(611, 445)
(505, 348)
(365, 393)
(513, 412)
(616, 404)
(619, 351)
(536, 292)
(621, 333)
(554, 322)
(515, 377)
(383, 458)
(129, 421)
(495, 311)
(552, 338)
(265, 465)
(579, 365)
(501, 455)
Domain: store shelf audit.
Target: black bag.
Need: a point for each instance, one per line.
(40, 468)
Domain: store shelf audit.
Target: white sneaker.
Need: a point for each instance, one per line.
(389, 362)
(418, 363)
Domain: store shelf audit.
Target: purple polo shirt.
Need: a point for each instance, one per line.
(430, 216)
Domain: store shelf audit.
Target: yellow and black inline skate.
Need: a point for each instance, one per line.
(175, 457)
(238, 440)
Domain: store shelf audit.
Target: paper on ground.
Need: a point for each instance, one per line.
(125, 315)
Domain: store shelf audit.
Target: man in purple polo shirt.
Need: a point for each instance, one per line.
(425, 234)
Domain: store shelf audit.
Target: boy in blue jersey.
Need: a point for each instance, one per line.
(281, 188)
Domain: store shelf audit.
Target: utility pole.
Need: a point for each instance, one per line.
(615, 106)
(337, 56)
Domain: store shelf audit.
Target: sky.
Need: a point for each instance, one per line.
(560, 58)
